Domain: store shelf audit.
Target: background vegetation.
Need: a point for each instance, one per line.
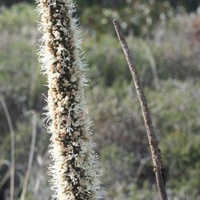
(165, 40)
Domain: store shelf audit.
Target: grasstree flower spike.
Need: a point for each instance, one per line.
(74, 169)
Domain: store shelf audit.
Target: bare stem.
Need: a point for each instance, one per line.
(155, 151)
(12, 137)
(31, 154)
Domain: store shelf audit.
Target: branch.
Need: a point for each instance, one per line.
(155, 151)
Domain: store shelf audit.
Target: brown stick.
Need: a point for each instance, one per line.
(155, 151)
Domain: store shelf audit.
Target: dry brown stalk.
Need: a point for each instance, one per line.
(155, 151)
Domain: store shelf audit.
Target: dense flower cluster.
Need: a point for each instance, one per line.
(74, 168)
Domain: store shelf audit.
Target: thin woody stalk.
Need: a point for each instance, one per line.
(75, 166)
(12, 139)
(155, 151)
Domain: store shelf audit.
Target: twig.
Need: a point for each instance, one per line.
(37, 187)
(12, 138)
(152, 64)
(139, 169)
(155, 151)
(32, 149)
(4, 179)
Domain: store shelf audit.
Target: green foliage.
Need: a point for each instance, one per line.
(137, 19)
(188, 4)
(121, 163)
(19, 18)
(18, 60)
(175, 116)
(181, 150)
(106, 74)
(176, 121)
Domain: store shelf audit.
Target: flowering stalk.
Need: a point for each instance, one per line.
(74, 169)
(155, 151)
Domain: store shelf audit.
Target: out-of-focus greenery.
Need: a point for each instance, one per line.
(189, 5)
(168, 63)
(132, 15)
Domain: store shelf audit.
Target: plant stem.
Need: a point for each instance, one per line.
(155, 151)
(12, 138)
(31, 154)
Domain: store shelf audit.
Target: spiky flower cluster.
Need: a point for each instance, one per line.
(74, 169)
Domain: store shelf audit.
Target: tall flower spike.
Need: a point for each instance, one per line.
(75, 166)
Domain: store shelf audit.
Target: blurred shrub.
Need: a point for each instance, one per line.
(19, 18)
(11, 2)
(181, 150)
(189, 5)
(156, 60)
(120, 133)
(175, 112)
(176, 48)
(121, 141)
(137, 18)
(18, 59)
(20, 80)
(106, 62)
